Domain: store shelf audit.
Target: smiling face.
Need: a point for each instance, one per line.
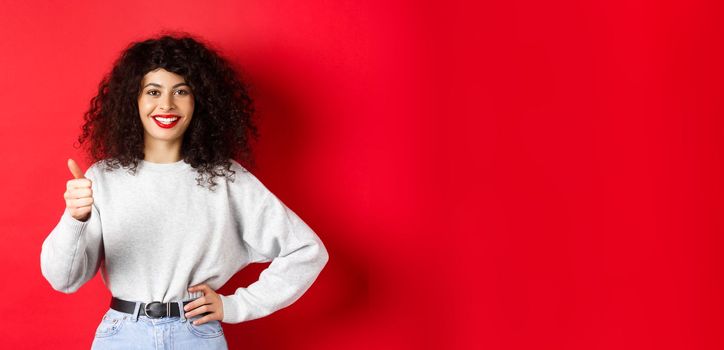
(165, 105)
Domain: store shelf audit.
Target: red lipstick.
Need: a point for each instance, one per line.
(166, 116)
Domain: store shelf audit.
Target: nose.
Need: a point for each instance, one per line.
(166, 107)
(166, 104)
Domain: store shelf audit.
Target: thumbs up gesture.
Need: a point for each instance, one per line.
(78, 194)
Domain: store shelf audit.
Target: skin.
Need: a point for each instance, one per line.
(78, 193)
(210, 302)
(167, 94)
(164, 93)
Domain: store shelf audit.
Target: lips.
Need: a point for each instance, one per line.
(166, 121)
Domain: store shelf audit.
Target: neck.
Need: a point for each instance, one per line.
(158, 151)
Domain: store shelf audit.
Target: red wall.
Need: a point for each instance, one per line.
(520, 175)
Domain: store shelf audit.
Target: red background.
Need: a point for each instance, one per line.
(520, 175)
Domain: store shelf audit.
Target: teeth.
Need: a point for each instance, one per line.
(166, 120)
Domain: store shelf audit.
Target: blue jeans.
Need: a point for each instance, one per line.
(119, 330)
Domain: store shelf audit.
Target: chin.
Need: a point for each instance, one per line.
(166, 138)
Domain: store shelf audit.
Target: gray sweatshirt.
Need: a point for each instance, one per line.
(156, 233)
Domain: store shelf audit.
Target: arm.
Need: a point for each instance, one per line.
(275, 233)
(73, 251)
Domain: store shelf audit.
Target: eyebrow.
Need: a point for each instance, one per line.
(159, 85)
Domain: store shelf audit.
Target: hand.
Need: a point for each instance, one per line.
(210, 302)
(78, 194)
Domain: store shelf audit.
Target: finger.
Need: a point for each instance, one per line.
(75, 169)
(82, 192)
(201, 300)
(200, 287)
(200, 310)
(203, 287)
(79, 183)
(207, 318)
(80, 202)
(196, 303)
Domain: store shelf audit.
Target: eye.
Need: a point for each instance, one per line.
(182, 92)
(150, 92)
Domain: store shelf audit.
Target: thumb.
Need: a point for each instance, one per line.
(75, 169)
(199, 287)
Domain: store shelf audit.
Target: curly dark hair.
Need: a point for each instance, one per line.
(222, 127)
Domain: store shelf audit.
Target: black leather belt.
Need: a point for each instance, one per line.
(154, 309)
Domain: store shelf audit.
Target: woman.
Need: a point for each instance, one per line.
(166, 213)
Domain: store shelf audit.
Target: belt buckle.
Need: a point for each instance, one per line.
(145, 310)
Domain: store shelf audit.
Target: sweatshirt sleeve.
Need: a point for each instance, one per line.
(275, 233)
(72, 253)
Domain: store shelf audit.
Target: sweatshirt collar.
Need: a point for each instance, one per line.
(164, 167)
